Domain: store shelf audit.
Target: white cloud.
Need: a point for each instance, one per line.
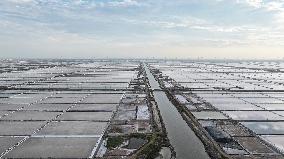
(193, 23)
(277, 9)
(255, 3)
(123, 3)
(279, 20)
(21, 1)
(274, 6)
(251, 3)
(89, 25)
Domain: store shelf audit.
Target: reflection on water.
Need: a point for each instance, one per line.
(183, 139)
(253, 115)
(266, 127)
(209, 115)
(276, 140)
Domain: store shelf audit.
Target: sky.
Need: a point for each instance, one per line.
(241, 29)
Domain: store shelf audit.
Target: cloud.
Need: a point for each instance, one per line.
(73, 4)
(274, 6)
(255, 3)
(193, 23)
(269, 5)
(277, 9)
(110, 26)
(123, 3)
(251, 3)
(20, 1)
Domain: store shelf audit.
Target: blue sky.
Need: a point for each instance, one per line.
(142, 28)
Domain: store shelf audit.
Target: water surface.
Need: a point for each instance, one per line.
(186, 144)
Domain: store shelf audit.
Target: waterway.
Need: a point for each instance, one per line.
(186, 144)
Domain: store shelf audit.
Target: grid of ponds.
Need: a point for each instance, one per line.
(240, 104)
(131, 129)
(59, 109)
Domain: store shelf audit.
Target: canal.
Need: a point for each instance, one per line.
(186, 144)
